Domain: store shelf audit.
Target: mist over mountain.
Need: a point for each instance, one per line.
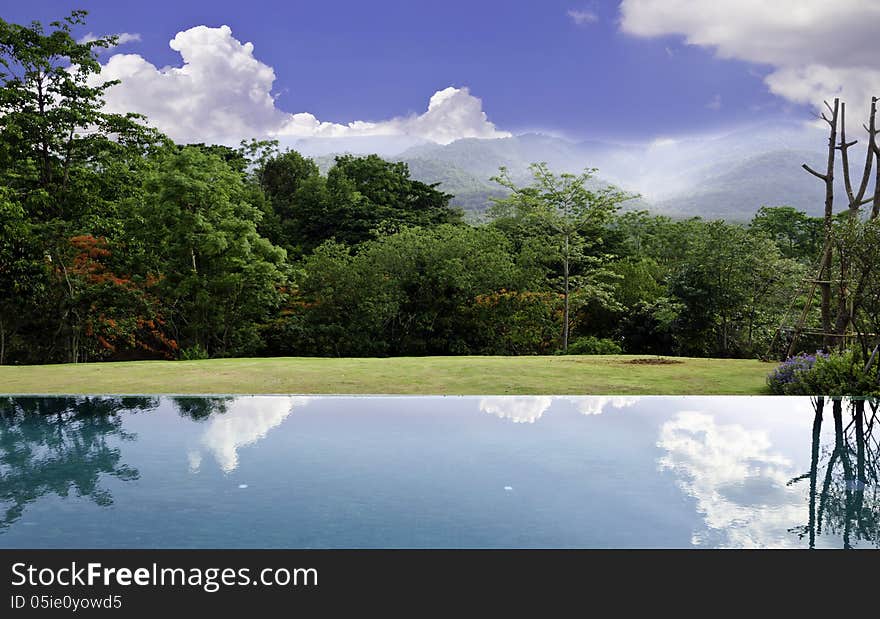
(729, 175)
(382, 145)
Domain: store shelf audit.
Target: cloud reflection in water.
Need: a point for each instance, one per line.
(528, 409)
(737, 479)
(246, 421)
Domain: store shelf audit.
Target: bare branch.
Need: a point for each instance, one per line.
(869, 155)
(844, 159)
(814, 173)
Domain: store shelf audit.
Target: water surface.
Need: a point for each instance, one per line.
(438, 472)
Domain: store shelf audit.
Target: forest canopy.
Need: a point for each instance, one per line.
(116, 243)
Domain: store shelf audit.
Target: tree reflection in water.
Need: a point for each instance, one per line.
(843, 478)
(58, 445)
(199, 408)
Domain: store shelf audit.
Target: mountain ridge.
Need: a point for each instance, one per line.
(728, 176)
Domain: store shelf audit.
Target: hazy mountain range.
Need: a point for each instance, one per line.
(729, 175)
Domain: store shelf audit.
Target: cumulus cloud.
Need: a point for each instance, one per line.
(221, 92)
(452, 113)
(816, 49)
(583, 17)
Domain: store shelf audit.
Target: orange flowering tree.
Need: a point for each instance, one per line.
(509, 322)
(110, 315)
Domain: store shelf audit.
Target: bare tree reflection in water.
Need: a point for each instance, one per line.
(59, 445)
(847, 502)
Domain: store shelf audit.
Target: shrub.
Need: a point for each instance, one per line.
(840, 374)
(785, 379)
(194, 353)
(591, 345)
(837, 374)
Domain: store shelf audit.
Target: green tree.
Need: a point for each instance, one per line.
(65, 165)
(293, 186)
(370, 195)
(403, 294)
(797, 235)
(732, 286)
(432, 274)
(23, 271)
(51, 118)
(218, 276)
(568, 216)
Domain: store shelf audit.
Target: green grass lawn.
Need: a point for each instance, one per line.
(404, 375)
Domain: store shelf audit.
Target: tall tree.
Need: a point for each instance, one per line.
(23, 272)
(796, 234)
(370, 195)
(51, 117)
(218, 276)
(569, 211)
(288, 180)
(63, 161)
(732, 286)
(835, 328)
(828, 179)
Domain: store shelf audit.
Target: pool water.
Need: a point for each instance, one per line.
(438, 472)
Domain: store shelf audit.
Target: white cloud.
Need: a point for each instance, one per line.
(223, 93)
(816, 49)
(452, 113)
(128, 37)
(122, 38)
(583, 17)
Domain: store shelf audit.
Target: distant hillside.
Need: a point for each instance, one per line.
(472, 193)
(727, 176)
(769, 179)
(482, 158)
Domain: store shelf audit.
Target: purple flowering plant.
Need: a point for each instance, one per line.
(788, 372)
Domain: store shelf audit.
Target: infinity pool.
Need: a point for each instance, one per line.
(438, 472)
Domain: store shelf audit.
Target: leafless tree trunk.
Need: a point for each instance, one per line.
(855, 201)
(847, 300)
(828, 179)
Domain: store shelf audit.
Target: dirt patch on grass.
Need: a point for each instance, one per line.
(654, 361)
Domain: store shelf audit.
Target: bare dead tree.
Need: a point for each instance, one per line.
(848, 300)
(828, 179)
(874, 145)
(855, 202)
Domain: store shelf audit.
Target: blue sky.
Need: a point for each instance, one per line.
(557, 66)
